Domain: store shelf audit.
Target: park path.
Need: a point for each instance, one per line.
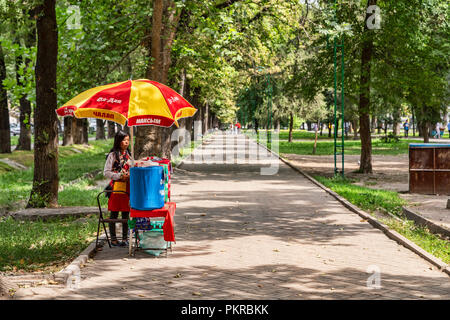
(244, 235)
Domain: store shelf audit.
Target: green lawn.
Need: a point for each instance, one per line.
(16, 184)
(351, 147)
(325, 146)
(38, 246)
(303, 134)
(34, 246)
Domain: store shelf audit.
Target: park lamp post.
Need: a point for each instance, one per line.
(336, 129)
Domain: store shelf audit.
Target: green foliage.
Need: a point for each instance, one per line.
(391, 137)
(104, 49)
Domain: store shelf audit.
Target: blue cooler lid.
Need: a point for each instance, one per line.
(147, 188)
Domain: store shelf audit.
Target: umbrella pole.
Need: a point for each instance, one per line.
(132, 145)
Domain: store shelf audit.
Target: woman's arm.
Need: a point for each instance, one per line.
(107, 171)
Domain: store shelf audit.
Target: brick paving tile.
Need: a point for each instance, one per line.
(245, 235)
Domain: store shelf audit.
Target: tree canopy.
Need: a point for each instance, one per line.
(245, 60)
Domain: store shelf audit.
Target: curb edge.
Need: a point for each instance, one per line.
(443, 267)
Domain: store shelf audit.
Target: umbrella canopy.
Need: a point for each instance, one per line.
(140, 102)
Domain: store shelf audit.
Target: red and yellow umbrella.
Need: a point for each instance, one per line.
(140, 102)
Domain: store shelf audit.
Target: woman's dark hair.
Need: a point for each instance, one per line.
(118, 138)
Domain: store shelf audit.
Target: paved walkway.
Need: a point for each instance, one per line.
(243, 235)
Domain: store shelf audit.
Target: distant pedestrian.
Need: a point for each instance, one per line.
(448, 128)
(238, 127)
(406, 128)
(438, 130)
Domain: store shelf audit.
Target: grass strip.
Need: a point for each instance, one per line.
(351, 147)
(43, 246)
(372, 200)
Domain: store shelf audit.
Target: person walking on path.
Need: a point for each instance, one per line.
(438, 130)
(406, 128)
(448, 128)
(238, 127)
(117, 169)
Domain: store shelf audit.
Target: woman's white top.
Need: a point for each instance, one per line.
(107, 171)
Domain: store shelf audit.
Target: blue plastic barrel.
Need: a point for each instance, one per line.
(147, 188)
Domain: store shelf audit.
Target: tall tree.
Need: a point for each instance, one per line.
(364, 96)
(100, 130)
(153, 140)
(5, 138)
(46, 178)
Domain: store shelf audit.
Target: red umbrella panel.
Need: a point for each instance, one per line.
(140, 102)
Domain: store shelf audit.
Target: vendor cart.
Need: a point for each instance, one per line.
(137, 222)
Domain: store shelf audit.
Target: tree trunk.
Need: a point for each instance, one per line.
(85, 131)
(187, 94)
(364, 97)
(147, 142)
(78, 130)
(24, 142)
(205, 111)
(379, 126)
(46, 179)
(100, 130)
(182, 82)
(153, 140)
(355, 131)
(372, 124)
(169, 30)
(149, 138)
(111, 129)
(315, 139)
(210, 119)
(425, 126)
(395, 125)
(68, 136)
(291, 126)
(5, 130)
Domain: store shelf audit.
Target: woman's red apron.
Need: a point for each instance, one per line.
(120, 201)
